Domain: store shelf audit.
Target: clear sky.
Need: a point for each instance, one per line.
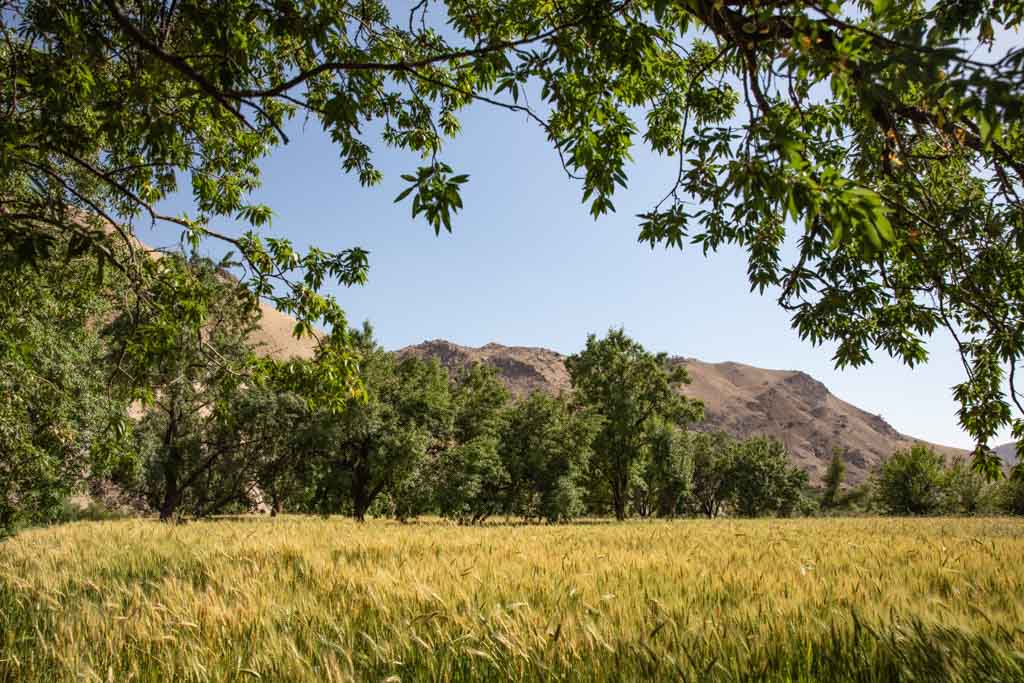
(527, 265)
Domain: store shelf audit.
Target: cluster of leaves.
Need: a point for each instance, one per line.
(208, 436)
(377, 440)
(59, 423)
(185, 359)
(213, 440)
(749, 478)
(418, 442)
(632, 390)
(918, 481)
(662, 480)
(530, 461)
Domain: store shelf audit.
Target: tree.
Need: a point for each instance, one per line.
(713, 456)
(277, 425)
(665, 477)
(793, 496)
(833, 480)
(869, 132)
(965, 490)
(628, 387)
(910, 481)
(1010, 495)
(59, 425)
(545, 448)
(473, 483)
(188, 379)
(863, 498)
(763, 481)
(471, 480)
(380, 438)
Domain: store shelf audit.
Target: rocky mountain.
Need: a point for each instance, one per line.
(739, 399)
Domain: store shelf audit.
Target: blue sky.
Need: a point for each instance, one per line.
(527, 265)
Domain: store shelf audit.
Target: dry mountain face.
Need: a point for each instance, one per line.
(738, 399)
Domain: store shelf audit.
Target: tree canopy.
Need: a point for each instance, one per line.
(375, 442)
(60, 426)
(872, 136)
(910, 481)
(189, 382)
(631, 389)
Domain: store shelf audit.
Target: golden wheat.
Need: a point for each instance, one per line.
(329, 600)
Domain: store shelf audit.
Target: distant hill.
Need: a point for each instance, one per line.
(739, 399)
(1008, 453)
(275, 338)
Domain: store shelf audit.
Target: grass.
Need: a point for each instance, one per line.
(304, 599)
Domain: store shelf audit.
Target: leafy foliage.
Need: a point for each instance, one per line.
(376, 441)
(713, 456)
(751, 478)
(545, 449)
(1011, 496)
(59, 425)
(762, 479)
(629, 388)
(910, 481)
(472, 481)
(662, 483)
(833, 481)
(276, 424)
(189, 379)
(966, 491)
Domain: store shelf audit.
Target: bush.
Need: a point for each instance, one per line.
(910, 481)
(1009, 496)
(763, 481)
(90, 511)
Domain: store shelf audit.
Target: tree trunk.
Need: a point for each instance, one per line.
(618, 500)
(172, 467)
(172, 496)
(360, 490)
(619, 491)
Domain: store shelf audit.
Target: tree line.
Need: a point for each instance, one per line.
(178, 422)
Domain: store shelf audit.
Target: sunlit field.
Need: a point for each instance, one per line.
(329, 600)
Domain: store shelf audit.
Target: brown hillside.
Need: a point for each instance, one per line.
(738, 399)
(274, 336)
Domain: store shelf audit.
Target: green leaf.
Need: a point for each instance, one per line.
(659, 9)
(837, 237)
(404, 193)
(872, 234)
(884, 227)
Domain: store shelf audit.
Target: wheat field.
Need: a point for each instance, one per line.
(307, 599)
